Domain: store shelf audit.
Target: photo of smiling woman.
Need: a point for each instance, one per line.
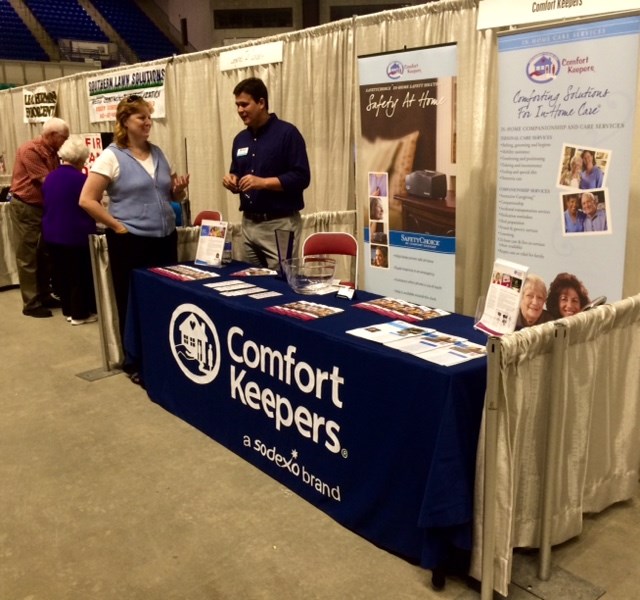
(534, 295)
(567, 296)
(141, 222)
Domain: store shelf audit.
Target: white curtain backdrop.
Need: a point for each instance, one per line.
(316, 88)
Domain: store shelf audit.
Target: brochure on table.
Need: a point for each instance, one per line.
(502, 304)
(423, 342)
(211, 243)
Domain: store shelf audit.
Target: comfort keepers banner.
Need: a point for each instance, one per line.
(567, 103)
(405, 170)
(106, 91)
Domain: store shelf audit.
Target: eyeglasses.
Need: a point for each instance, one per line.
(133, 98)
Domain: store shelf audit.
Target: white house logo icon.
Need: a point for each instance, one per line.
(194, 343)
(543, 68)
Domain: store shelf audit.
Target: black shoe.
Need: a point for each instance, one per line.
(137, 379)
(39, 312)
(52, 302)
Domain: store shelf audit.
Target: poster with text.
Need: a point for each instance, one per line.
(406, 170)
(96, 142)
(39, 103)
(105, 91)
(566, 105)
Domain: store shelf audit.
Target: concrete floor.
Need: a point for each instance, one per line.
(105, 496)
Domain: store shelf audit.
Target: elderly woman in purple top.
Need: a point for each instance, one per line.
(66, 229)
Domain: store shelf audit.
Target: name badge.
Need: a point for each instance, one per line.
(242, 151)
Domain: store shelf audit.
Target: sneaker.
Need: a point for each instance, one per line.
(39, 312)
(68, 319)
(89, 319)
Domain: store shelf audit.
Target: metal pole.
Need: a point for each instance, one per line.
(93, 240)
(557, 400)
(492, 401)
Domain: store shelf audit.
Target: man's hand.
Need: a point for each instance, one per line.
(230, 181)
(251, 182)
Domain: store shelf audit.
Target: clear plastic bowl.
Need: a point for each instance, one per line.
(309, 274)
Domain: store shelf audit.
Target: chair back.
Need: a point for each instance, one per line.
(334, 243)
(207, 215)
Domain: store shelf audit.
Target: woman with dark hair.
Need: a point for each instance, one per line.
(141, 224)
(567, 296)
(592, 175)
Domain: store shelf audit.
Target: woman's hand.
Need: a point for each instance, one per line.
(179, 184)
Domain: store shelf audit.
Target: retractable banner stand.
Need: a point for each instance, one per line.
(567, 100)
(406, 173)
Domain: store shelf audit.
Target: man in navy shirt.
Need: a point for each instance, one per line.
(270, 170)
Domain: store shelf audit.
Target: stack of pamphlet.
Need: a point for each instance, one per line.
(401, 309)
(183, 272)
(304, 310)
(423, 342)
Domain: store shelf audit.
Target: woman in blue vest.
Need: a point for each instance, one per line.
(141, 224)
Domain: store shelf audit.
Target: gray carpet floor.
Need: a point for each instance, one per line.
(106, 496)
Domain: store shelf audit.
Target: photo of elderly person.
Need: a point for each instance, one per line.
(595, 219)
(592, 175)
(567, 296)
(571, 176)
(573, 218)
(376, 209)
(534, 295)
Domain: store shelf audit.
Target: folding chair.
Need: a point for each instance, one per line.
(209, 215)
(334, 243)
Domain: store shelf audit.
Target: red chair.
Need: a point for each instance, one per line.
(334, 243)
(208, 215)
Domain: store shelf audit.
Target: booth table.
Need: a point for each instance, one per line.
(382, 441)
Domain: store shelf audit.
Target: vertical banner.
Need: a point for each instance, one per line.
(405, 168)
(567, 104)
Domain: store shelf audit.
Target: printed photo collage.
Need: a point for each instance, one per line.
(584, 198)
(379, 219)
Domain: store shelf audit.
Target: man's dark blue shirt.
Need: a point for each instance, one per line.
(277, 149)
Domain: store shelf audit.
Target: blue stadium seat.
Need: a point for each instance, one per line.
(136, 29)
(66, 19)
(16, 41)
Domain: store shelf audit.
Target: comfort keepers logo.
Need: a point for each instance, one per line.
(194, 343)
(543, 67)
(395, 70)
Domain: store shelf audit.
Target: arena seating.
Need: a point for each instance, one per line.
(16, 41)
(144, 38)
(67, 19)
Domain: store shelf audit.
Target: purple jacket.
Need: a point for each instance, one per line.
(63, 221)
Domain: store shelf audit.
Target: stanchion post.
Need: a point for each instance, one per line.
(99, 300)
(492, 402)
(557, 401)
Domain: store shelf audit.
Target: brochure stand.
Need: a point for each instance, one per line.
(211, 243)
(502, 303)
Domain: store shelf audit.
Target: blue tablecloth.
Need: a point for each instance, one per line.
(382, 441)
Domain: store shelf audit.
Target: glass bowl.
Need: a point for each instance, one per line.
(309, 274)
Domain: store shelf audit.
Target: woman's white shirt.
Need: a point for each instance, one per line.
(107, 164)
